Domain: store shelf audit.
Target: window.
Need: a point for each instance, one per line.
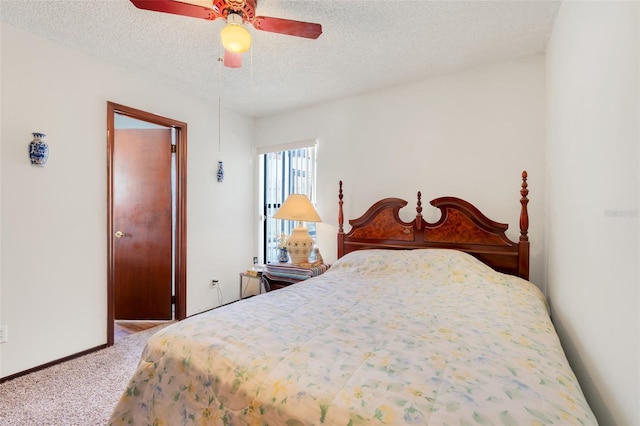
(291, 170)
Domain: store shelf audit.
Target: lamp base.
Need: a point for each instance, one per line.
(299, 245)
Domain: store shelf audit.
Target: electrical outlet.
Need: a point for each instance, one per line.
(4, 331)
(214, 282)
(255, 260)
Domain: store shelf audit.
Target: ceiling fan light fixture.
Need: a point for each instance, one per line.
(235, 38)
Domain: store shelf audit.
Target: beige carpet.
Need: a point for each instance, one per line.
(79, 392)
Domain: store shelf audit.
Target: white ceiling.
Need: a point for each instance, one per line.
(366, 45)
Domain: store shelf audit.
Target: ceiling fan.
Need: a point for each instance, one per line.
(235, 38)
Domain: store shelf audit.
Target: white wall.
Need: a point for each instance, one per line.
(1, 323)
(53, 265)
(593, 126)
(468, 134)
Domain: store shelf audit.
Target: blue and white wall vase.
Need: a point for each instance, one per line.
(220, 171)
(38, 150)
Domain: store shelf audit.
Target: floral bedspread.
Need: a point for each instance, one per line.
(426, 337)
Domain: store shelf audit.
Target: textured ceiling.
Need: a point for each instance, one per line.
(365, 45)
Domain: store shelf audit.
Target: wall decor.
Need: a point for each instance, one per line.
(38, 150)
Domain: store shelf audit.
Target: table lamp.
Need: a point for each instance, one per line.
(299, 244)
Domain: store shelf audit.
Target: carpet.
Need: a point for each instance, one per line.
(79, 392)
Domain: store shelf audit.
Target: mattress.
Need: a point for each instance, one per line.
(428, 337)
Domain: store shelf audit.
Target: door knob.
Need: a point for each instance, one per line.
(119, 234)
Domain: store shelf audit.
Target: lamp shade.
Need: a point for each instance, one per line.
(235, 38)
(297, 207)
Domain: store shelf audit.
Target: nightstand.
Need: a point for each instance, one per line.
(246, 278)
(278, 275)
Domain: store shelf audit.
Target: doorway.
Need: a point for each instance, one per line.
(146, 217)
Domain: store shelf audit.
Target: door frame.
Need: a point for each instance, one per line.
(180, 252)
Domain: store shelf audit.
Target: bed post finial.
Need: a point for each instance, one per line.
(419, 212)
(524, 215)
(340, 222)
(523, 245)
(340, 213)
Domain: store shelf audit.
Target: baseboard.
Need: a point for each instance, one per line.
(52, 363)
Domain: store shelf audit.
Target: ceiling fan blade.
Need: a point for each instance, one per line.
(232, 60)
(287, 26)
(177, 8)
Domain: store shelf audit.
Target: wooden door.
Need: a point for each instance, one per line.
(142, 223)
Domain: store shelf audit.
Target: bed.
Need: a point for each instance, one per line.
(409, 326)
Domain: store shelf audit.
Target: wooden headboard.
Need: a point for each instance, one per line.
(461, 227)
